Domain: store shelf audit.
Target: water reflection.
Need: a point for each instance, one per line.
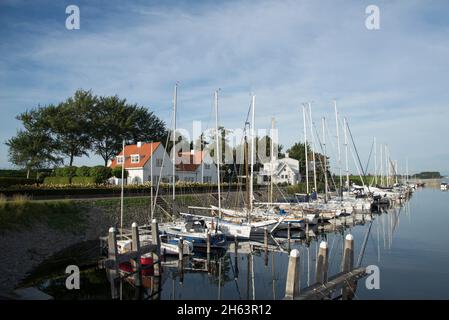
(244, 270)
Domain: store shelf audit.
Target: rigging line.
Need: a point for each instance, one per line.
(355, 149)
(369, 157)
(235, 279)
(362, 250)
(160, 172)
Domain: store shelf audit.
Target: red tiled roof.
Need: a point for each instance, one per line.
(144, 152)
(194, 161)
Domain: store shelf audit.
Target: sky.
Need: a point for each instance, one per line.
(390, 83)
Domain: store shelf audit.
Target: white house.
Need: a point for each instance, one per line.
(142, 158)
(285, 170)
(199, 167)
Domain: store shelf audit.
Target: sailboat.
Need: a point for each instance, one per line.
(192, 229)
(241, 223)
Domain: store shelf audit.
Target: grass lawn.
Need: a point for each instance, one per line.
(63, 215)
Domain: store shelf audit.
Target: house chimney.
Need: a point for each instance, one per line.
(139, 144)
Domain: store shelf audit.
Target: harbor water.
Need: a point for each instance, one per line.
(409, 244)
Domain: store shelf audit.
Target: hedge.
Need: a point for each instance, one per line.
(83, 180)
(82, 171)
(56, 180)
(22, 173)
(108, 190)
(6, 182)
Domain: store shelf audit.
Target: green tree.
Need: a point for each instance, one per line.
(145, 126)
(100, 173)
(69, 124)
(113, 120)
(297, 151)
(32, 150)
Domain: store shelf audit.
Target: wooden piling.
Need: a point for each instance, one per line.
(289, 234)
(208, 242)
(157, 242)
(348, 265)
(292, 284)
(136, 262)
(113, 254)
(322, 263)
(181, 259)
(181, 248)
(236, 246)
(265, 237)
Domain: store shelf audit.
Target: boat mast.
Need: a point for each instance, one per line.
(381, 166)
(396, 171)
(217, 153)
(202, 158)
(387, 168)
(406, 170)
(338, 147)
(346, 152)
(245, 165)
(271, 159)
(375, 162)
(151, 177)
(325, 159)
(313, 147)
(122, 187)
(175, 98)
(253, 143)
(305, 148)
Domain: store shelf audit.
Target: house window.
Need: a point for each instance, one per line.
(135, 158)
(207, 166)
(207, 179)
(158, 162)
(119, 159)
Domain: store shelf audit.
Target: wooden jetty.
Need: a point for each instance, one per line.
(114, 259)
(324, 287)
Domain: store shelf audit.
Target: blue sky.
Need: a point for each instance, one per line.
(390, 83)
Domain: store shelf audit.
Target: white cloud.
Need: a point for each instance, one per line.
(286, 52)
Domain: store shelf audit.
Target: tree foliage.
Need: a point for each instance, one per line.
(79, 125)
(297, 151)
(32, 150)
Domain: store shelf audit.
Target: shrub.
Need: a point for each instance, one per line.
(6, 182)
(83, 171)
(100, 173)
(83, 180)
(41, 176)
(66, 171)
(117, 172)
(56, 180)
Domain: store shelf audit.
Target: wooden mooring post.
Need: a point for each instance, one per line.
(346, 280)
(265, 242)
(293, 284)
(289, 234)
(155, 239)
(133, 256)
(322, 263)
(236, 246)
(136, 262)
(236, 255)
(113, 273)
(348, 265)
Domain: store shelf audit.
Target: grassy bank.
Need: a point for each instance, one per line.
(21, 213)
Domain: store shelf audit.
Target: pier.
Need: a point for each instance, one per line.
(323, 288)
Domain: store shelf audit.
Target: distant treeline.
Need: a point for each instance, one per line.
(428, 175)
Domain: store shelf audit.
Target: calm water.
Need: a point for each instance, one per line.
(409, 244)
